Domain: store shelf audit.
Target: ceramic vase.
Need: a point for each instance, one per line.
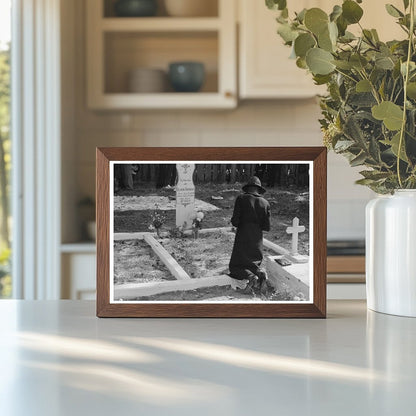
(391, 253)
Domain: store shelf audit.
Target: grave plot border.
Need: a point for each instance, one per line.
(317, 156)
(183, 281)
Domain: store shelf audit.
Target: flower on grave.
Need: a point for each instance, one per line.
(197, 221)
(158, 219)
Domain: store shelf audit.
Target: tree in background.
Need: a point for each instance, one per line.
(5, 165)
(4, 144)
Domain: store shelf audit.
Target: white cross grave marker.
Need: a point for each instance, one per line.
(295, 230)
(185, 195)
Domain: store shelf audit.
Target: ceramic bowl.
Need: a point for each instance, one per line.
(191, 8)
(135, 8)
(186, 76)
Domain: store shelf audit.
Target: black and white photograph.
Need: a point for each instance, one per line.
(211, 232)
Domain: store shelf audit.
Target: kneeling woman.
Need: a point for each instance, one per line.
(251, 217)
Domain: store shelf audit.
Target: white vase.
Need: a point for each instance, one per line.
(391, 253)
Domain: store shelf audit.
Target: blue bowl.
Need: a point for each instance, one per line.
(186, 76)
(135, 8)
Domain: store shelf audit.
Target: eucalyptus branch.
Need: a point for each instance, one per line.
(373, 88)
(406, 80)
(346, 75)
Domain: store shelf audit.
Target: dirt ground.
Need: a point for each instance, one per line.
(135, 261)
(285, 205)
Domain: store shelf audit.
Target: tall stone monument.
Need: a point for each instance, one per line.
(185, 195)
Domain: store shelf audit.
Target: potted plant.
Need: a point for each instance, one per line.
(369, 116)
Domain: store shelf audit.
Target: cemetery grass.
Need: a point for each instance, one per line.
(286, 203)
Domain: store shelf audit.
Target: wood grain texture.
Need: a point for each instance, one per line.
(346, 264)
(317, 309)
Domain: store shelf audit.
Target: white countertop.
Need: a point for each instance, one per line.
(57, 358)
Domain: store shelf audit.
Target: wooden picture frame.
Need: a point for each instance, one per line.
(314, 307)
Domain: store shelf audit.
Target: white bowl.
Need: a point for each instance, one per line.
(191, 8)
(147, 80)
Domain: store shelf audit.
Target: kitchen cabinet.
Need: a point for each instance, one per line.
(118, 45)
(265, 70)
(78, 262)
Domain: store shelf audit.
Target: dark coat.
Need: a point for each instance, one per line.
(251, 217)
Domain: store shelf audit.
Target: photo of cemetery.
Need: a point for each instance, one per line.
(198, 232)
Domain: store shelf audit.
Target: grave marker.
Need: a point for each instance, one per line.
(295, 230)
(185, 195)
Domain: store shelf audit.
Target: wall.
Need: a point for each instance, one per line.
(254, 123)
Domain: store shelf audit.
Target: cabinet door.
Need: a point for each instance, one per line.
(78, 276)
(265, 68)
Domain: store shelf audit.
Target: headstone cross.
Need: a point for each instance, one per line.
(295, 229)
(185, 195)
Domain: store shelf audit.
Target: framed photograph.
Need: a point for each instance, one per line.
(211, 232)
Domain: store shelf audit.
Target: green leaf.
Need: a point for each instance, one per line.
(342, 25)
(353, 131)
(301, 15)
(301, 63)
(393, 11)
(347, 37)
(411, 90)
(336, 12)
(344, 65)
(333, 32)
(388, 112)
(374, 150)
(351, 11)
(368, 36)
(276, 4)
(343, 145)
(303, 43)
(321, 79)
(406, 4)
(287, 33)
(325, 42)
(412, 67)
(358, 61)
(358, 160)
(384, 62)
(365, 182)
(394, 143)
(316, 20)
(319, 61)
(374, 174)
(363, 86)
(375, 35)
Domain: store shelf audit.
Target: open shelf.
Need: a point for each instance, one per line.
(126, 51)
(160, 24)
(119, 45)
(210, 6)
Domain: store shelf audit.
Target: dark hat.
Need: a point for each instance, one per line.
(254, 181)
